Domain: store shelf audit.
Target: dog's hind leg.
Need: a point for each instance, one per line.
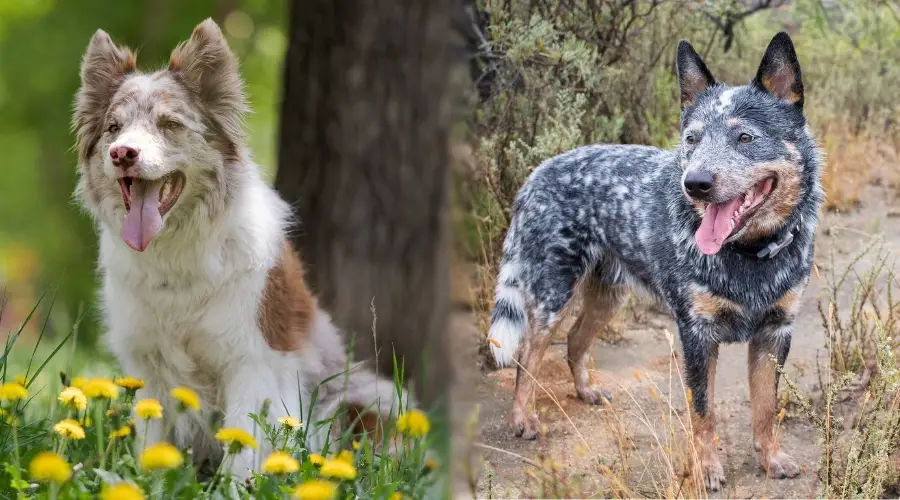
(601, 301)
(549, 285)
(525, 421)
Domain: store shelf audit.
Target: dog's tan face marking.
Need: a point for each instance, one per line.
(780, 203)
(287, 307)
(187, 118)
(709, 306)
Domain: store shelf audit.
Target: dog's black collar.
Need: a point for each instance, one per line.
(768, 249)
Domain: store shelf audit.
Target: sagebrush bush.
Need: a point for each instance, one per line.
(858, 411)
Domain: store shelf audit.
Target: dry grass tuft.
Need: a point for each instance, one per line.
(854, 161)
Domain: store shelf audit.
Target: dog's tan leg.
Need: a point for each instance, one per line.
(763, 398)
(600, 304)
(704, 427)
(525, 421)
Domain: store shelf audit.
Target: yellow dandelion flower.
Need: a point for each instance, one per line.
(291, 422)
(72, 398)
(161, 456)
(316, 459)
(236, 439)
(122, 491)
(48, 467)
(315, 489)
(414, 424)
(130, 383)
(12, 391)
(280, 462)
(69, 429)
(339, 469)
(20, 379)
(356, 445)
(79, 382)
(100, 388)
(123, 431)
(148, 408)
(187, 399)
(346, 456)
(398, 496)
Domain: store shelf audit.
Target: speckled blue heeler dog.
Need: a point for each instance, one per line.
(720, 229)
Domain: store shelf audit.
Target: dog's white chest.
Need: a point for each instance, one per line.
(182, 335)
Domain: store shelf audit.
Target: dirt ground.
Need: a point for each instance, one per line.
(638, 369)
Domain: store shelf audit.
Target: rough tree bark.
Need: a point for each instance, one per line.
(364, 157)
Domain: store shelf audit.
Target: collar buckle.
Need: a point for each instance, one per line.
(772, 249)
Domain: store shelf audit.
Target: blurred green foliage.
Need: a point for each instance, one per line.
(41, 45)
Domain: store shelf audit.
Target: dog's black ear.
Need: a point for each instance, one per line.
(779, 71)
(693, 75)
(206, 66)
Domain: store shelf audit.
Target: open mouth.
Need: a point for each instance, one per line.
(721, 221)
(146, 202)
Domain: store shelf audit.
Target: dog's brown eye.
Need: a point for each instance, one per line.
(690, 139)
(745, 138)
(170, 125)
(113, 128)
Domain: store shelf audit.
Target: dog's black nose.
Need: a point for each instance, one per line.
(698, 183)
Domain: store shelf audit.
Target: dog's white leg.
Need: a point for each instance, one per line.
(246, 389)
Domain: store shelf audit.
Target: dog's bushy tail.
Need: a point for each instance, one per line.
(509, 320)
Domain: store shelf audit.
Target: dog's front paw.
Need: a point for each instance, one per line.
(713, 473)
(779, 465)
(593, 395)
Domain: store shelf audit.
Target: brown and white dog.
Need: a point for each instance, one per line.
(200, 286)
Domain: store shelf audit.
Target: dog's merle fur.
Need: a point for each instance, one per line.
(601, 219)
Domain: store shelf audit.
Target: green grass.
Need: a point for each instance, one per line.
(98, 461)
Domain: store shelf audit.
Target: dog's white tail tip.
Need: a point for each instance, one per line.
(504, 338)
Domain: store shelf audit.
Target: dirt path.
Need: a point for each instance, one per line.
(640, 425)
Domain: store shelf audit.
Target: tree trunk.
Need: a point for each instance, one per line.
(364, 158)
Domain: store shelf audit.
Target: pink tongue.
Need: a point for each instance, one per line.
(143, 220)
(716, 225)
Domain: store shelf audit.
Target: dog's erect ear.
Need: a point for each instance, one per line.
(779, 71)
(693, 76)
(206, 67)
(103, 69)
